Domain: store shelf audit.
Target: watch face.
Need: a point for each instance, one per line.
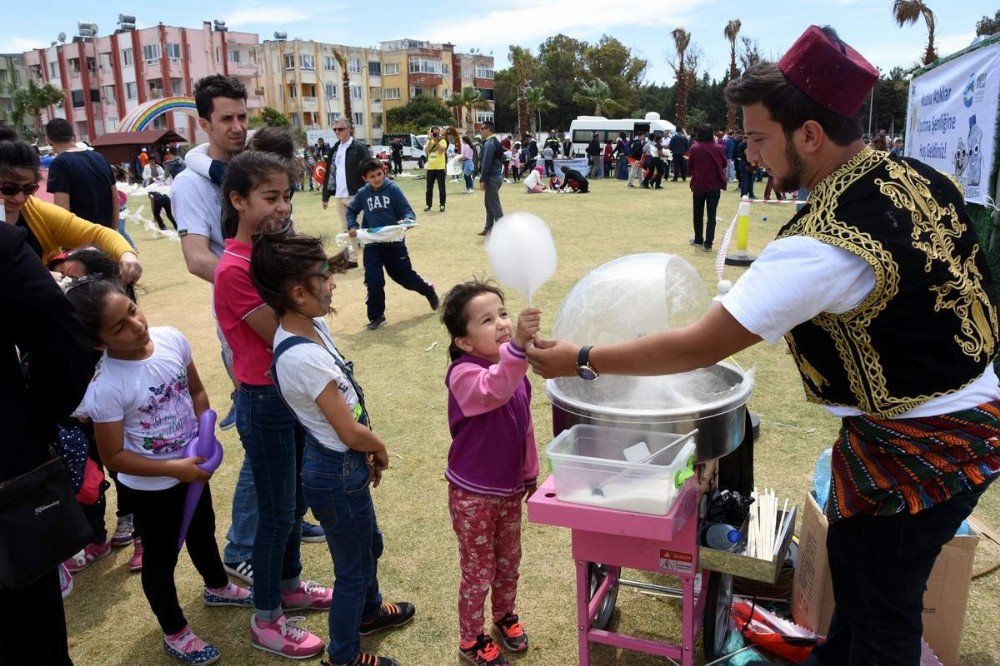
(585, 372)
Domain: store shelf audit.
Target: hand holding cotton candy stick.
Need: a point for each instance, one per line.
(521, 252)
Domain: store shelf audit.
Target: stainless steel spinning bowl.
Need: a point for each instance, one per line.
(720, 422)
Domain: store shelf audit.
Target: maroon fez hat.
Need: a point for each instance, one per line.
(829, 71)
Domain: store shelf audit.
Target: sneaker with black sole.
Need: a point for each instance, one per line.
(365, 659)
(482, 652)
(427, 209)
(240, 570)
(312, 533)
(707, 247)
(512, 633)
(375, 324)
(433, 299)
(695, 241)
(441, 209)
(390, 616)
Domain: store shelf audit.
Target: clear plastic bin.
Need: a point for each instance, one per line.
(590, 467)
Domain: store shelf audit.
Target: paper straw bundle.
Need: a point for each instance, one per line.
(762, 537)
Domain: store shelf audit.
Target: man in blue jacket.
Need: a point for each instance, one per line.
(491, 176)
(383, 204)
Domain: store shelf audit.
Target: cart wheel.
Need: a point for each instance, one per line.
(718, 602)
(597, 573)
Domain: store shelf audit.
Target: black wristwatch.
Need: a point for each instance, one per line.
(584, 370)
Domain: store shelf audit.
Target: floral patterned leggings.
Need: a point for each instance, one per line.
(489, 552)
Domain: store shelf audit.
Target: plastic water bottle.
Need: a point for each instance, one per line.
(721, 536)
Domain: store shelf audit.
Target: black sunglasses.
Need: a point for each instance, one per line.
(10, 190)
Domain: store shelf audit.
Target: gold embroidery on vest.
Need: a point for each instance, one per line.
(849, 331)
(934, 229)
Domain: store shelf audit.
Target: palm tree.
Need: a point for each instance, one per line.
(907, 12)
(682, 40)
(537, 102)
(598, 93)
(465, 102)
(345, 83)
(523, 65)
(731, 30)
(31, 100)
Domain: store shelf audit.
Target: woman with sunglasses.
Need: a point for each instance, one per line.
(49, 227)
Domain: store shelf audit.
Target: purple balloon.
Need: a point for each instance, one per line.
(203, 445)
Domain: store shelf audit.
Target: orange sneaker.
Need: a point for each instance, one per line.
(482, 652)
(512, 633)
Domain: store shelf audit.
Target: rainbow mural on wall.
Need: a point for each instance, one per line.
(143, 115)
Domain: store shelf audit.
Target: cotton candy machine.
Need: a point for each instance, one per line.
(641, 511)
(627, 298)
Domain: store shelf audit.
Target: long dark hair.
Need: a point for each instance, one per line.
(453, 306)
(245, 172)
(88, 296)
(282, 259)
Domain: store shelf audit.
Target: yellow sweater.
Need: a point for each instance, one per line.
(57, 228)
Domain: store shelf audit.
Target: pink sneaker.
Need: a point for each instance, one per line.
(65, 581)
(284, 637)
(310, 596)
(135, 562)
(90, 554)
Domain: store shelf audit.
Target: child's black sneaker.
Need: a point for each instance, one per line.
(512, 634)
(390, 616)
(366, 659)
(483, 652)
(375, 324)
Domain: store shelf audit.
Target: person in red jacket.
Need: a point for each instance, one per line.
(707, 168)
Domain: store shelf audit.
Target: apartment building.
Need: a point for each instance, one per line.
(13, 75)
(105, 78)
(412, 68)
(304, 80)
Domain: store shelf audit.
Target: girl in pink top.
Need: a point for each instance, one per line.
(492, 462)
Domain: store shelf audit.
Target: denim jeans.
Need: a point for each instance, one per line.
(337, 489)
(243, 529)
(273, 441)
(880, 566)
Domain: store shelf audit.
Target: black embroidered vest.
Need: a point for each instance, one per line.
(929, 326)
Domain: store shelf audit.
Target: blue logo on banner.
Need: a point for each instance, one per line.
(968, 93)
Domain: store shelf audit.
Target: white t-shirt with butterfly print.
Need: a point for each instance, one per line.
(151, 397)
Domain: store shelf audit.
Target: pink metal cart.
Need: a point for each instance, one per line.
(604, 541)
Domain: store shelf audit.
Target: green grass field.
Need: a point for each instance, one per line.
(401, 368)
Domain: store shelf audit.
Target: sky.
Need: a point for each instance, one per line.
(643, 25)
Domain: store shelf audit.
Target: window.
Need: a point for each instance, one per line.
(217, 56)
(355, 65)
(104, 59)
(130, 90)
(91, 66)
(174, 52)
(234, 56)
(332, 117)
(445, 68)
(175, 87)
(330, 64)
(445, 94)
(127, 57)
(77, 96)
(374, 68)
(108, 93)
(3, 78)
(53, 70)
(307, 63)
(151, 53)
(359, 119)
(95, 95)
(391, 93)
(391, 68)
(160, 122)
(416, 91)
(424, 66)
(487, 93)
(292, 91)
(74, 65)
(356, 92)
(377, 121)
(484, 72)
(17, 78)
(289, 61)
(484, 116)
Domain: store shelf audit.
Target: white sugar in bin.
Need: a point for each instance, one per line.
(590, 465)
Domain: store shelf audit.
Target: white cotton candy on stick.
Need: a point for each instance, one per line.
(521, 252)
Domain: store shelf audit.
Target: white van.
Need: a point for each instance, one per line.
(413, 150)
(583, 128)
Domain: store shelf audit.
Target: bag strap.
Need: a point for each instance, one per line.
(345, 367)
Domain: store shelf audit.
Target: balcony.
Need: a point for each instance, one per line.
(308, 104)
(376, 106)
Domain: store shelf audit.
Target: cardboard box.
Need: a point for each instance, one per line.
(945, 600)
